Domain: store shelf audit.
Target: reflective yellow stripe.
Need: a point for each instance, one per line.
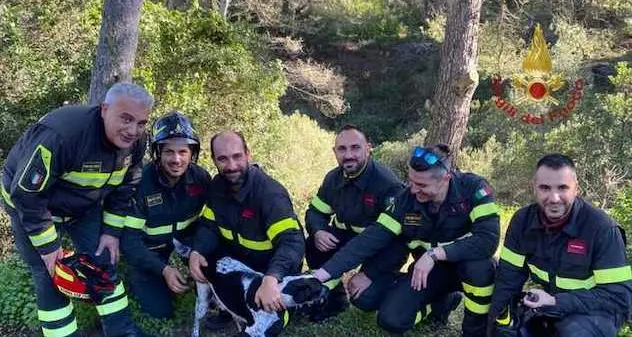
(510, 257)
(478, 291)
(113, 220)
(390, 223)
(97, 180)
(613, 275)
(207, 213)
(321, 206)
(61, 219)
(160, 230)
(226, 233)
(255, 245)
(331, 284)
(110, 308)
(506, 320)
(63, 331)
(474, 307)
(184, 224)
(286, 317)
(54, 315)
(6, 197)
(420, 315)
(117, 177)
(45, 237)
(119, 290)
(357, 229)
(61, 273)
(418, 243)
(541, 274)
(47, 156)
(339, 224)
(134, 222)
(573, 284)
(483, 210)
(281, 226)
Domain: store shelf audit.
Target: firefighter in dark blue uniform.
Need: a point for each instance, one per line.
(574, 252)
(75, 171)
(249, 217)
(168, 201)
(353, 194)
(450, 222)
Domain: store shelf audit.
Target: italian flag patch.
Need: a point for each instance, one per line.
(483, 192)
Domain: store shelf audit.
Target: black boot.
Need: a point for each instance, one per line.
(441, 309)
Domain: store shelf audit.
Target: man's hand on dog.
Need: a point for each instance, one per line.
(196, 262)
(268, 295)
(175, 281)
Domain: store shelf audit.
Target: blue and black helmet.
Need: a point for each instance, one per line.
(174, 125)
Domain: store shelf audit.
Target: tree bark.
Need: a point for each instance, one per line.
(116, 50)
(450, 108)
(223, 8)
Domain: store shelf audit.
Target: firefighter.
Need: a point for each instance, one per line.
(168, 201)
(75, 171)
(573, 252)
(353, 194)
(449, 220)
(249, 217)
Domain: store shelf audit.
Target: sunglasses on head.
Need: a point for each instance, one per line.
(423, 159)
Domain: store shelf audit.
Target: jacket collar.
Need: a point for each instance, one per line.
(362, 181)
(571, 228)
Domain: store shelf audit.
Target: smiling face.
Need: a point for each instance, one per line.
(352, 151)
(429, 185)
(175, 157)
(555, 191)
(124, 120)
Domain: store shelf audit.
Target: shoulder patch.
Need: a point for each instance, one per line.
(483, 192)
(37, 170)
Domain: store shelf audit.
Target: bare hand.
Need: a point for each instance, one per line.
(543, 299)
(422, 269)
(196, 262)
(112, 244)
(322, 275)
(50, 259)
(175, 281)
(268, 295)
(358, 284)
(325, 241)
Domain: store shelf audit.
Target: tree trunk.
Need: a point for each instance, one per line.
(450, 108)
(116, 51)
(223, 8)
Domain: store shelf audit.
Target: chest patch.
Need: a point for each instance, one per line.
(154, 199)
(576, 246)
(369, 200)
(247, 213)
(91, 167)
(194, 190)
(412, 219)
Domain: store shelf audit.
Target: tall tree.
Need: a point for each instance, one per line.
(116, 50)
(450, 108)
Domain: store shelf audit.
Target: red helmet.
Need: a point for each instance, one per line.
(77, 276)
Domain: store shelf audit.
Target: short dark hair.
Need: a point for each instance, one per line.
(237, 133)
(348, 127)
(556, 161)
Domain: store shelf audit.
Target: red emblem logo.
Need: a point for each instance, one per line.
(576, 246)
(194, 190)
(369, 200)
(248, 213)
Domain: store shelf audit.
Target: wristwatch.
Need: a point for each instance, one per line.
(432, 255)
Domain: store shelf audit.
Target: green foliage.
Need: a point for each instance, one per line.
(17, 297)
(396, 154)
(621, 211)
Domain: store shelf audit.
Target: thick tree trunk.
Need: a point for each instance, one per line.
(223, 8)
(458, 77)
(116, 51)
